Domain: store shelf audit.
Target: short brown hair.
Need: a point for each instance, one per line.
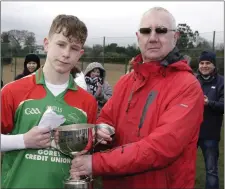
(71, 26)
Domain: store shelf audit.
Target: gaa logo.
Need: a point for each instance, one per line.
(29, 111)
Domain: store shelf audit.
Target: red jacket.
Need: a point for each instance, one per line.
(156, 112)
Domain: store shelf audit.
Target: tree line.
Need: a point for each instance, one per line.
(21, 42)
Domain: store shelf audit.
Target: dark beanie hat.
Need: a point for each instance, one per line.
(32, 58)
(208, 56)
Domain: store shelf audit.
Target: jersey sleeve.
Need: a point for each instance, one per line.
(7, 110)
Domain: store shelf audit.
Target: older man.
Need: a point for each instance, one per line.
(156, 111)
(213, 87)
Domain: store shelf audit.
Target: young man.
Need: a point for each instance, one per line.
(23, 103)
(213, 87)
(156, 111)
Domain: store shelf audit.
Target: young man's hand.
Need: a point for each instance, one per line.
(56, 136)
(37, 137)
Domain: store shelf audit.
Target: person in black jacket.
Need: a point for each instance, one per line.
(31, 64)
(213, 87)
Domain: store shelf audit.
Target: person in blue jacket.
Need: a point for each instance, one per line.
(212, 84)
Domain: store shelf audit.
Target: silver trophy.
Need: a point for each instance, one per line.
(76, 138)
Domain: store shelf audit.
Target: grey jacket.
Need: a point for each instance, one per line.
(106, 88)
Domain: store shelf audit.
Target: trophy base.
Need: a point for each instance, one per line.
(78, 184)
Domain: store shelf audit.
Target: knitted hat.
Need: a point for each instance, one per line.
(208, 56)
(31, 58)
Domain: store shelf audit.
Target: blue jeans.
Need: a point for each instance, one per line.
(210, 150)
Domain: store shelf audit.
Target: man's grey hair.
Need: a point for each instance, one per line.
(160, 9)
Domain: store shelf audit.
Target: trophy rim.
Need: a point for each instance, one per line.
(75, 182)
(75, 127)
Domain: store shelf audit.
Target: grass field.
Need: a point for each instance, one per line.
(114, 72)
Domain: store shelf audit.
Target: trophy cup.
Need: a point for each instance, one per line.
(74, 139)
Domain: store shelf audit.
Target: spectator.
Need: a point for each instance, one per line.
(96, 83)
(213, 87)
(31, 65)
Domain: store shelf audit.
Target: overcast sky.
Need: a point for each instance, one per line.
(118, 21)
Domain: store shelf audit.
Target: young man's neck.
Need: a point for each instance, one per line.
(54, 77)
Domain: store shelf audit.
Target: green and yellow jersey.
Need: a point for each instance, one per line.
(23, 103)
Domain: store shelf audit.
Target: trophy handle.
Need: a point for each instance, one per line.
(107, 127)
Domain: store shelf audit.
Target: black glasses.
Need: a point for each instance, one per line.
(159, 30)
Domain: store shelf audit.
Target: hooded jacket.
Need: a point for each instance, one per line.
(80, 80)
(29, 58)
(156, 112)
(106, 88)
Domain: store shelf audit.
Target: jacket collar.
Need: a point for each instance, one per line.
(173, 61)
(40, 79)
(212, 76)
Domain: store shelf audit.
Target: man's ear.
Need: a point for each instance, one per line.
(137, 34)
(46, 43)
(81, 52)
(176, 37)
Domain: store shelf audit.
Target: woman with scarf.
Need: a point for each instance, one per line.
(96, 83)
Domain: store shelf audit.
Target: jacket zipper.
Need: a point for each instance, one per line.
(129, 100)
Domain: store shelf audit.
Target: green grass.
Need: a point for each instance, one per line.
(200, 167)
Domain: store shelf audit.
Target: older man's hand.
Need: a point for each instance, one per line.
(81, 165)
(103, 135)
